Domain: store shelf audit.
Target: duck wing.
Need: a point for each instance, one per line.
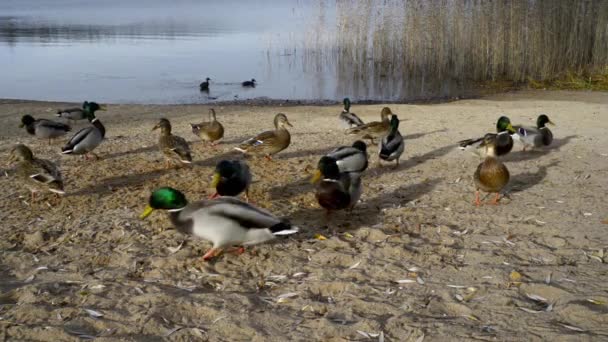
(390, 145)
(248, 216)
(180, 147)
(349, 159)
(351, 119)
(79, 137)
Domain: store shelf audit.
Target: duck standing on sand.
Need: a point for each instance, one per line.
(347, 118)
(225, 221)
(392, 145)
(374, 129)
(36, 174)
(231, 178)
(270, 142)
(204, 86)
(87, 139)
(491, 175)
(336, 190)
(504, 139)
(250, 84)
(209, 131)
(74, 114)
(534, 137)
(43, 128)
(173, 147)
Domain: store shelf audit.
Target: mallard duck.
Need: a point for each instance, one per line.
(270, 142)
(204, 86)
(225, 221)
(87, 139)
(37, 174)
(249, 83)
(43, 128)
(350, 158)
(74, 114)
(347, 118)
(491, 175)
(336, 190)
(174, 148)
(504, 139)
(533, 137)
(392, 145)
(231, 177)
(209, 131)
(374, 129)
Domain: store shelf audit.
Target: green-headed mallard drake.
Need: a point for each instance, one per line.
(533, 137)
(225, 221)
(504, 139)
(250, 84)
(392, 145)
(204, 86)
(347, 118)
(270, 142)
(336, 190)
(374, 129)
(37, 174)
(231, 177)
(75, 114)
(43, 128)
(211, 131)
(174, 148)
(491, 175)
(87, 139)
(350, 158)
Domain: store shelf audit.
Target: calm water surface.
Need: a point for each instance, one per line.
(157, 51)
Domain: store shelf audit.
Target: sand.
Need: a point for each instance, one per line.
(466, 273)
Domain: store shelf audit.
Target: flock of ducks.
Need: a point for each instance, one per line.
(224, 219)
(204, 86)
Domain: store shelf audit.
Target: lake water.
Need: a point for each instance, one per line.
(157, 51)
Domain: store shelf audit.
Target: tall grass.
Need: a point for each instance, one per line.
(428, 48)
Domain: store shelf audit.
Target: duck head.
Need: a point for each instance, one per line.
(326, 168)
(504, 124)
(360, 145)
(20, 153)
(542, 120)
(225, 169)
(346, 103)
(165, 198)
(92, 107)
(164, 125)
(385, 113)
(27, 120)
(280, 121)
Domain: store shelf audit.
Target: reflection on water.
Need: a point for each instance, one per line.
(154, 51)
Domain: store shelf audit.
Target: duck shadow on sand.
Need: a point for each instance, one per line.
(517, 156)
(367, 212)
(527, 180)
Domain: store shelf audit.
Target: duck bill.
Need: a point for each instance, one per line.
(155, 127)
(102, 107)
(288, 123)
(551, 123)
(146, 212)
(511, 129)
(21, 125)
(215, 180)
(315, 178)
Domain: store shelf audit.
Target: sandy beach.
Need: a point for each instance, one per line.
(415, 261)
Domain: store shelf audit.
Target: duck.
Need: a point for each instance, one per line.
(39, 175)
(75, 114)
(270, 142)
(204, 86)
(250, 84)
(87, 139)
(43, 128)
(491, 175)
(224, 221)
(173, 147)
(350, 158)
(336, 190)
(347, 118)
(209, 131)
(534, 137)
(392, 145)
(231, 177)
(504, 139)
(374, 129)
